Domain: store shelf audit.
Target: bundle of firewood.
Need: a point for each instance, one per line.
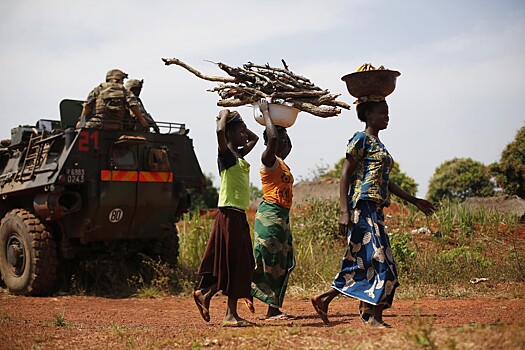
(251, 82)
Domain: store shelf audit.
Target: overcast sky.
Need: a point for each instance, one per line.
(462, 67)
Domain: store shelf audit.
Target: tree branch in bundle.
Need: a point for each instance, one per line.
(170, 61)
(274, 69)
(251, 82)
(319, 111)
(284, 64)
(235, 102)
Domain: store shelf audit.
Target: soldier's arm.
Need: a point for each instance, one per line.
(136, 111)
(87, 107)
(86, 110)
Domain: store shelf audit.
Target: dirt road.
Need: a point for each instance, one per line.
(75, 322)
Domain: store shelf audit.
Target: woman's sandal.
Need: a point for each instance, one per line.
(205, 313)
(249, 304)
(322, 314)
(372, 322)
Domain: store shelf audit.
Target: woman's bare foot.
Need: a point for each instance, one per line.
(320, 303)
(372, 322)
(236, 322)
(321, 307)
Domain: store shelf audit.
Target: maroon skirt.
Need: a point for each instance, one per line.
(228, 259)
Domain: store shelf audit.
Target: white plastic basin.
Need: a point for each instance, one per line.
(281, 115)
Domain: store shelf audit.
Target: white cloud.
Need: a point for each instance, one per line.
(459, 93)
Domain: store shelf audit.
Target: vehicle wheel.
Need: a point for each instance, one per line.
(28, 256)
(170, 247)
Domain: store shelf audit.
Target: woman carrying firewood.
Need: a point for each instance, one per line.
(368, 272)
(228, 264)
(273, 245)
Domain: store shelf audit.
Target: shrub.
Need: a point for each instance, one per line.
(510, 171)
(403, 255)
(318, 249)
(206, 197)
(464, 257)
(458, 179)
(404, 181)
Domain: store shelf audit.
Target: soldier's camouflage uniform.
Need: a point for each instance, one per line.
(110, 103)
(145, 114)
(137, 84)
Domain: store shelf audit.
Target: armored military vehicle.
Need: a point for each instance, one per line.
(69, 193)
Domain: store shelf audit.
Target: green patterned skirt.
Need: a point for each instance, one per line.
(273, 252)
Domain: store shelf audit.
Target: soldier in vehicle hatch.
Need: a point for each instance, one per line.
(135, 86)
(109, 104)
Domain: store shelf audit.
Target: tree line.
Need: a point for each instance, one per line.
(455, 180)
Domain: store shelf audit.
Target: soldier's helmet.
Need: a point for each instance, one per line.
(116, 74)
(134, 84)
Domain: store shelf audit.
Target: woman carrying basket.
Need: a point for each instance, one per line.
(368, 271)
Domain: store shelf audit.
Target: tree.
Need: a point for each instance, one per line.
(510, 171)
(404, 181)
(207, 197)
(336, 171)
(459, 179)
(255, 192)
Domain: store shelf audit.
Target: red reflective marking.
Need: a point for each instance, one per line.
(105, 175)
(130, 176)
(118, 175)
(155, 176)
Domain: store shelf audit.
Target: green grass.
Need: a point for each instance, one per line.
(461, 245)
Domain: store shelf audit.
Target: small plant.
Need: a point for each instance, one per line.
(403, 254)
(5, 317)
(59, 320)
(36, 346)
(154, 280)
(148, 292)
(118, 328)
(421, 332)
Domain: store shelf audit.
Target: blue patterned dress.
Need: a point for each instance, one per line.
(368, 271)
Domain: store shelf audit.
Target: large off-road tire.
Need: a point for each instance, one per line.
(28, 254)
(170, 247)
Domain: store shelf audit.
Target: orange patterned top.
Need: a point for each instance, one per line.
(277, 183)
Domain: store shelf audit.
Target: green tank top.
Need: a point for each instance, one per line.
(235, 184)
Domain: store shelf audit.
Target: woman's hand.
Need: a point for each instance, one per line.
(223, 113)
(425, 206)
(263, 105)
(344, 223)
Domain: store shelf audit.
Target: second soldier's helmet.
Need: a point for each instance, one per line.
(116, 74)
(134, 84)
